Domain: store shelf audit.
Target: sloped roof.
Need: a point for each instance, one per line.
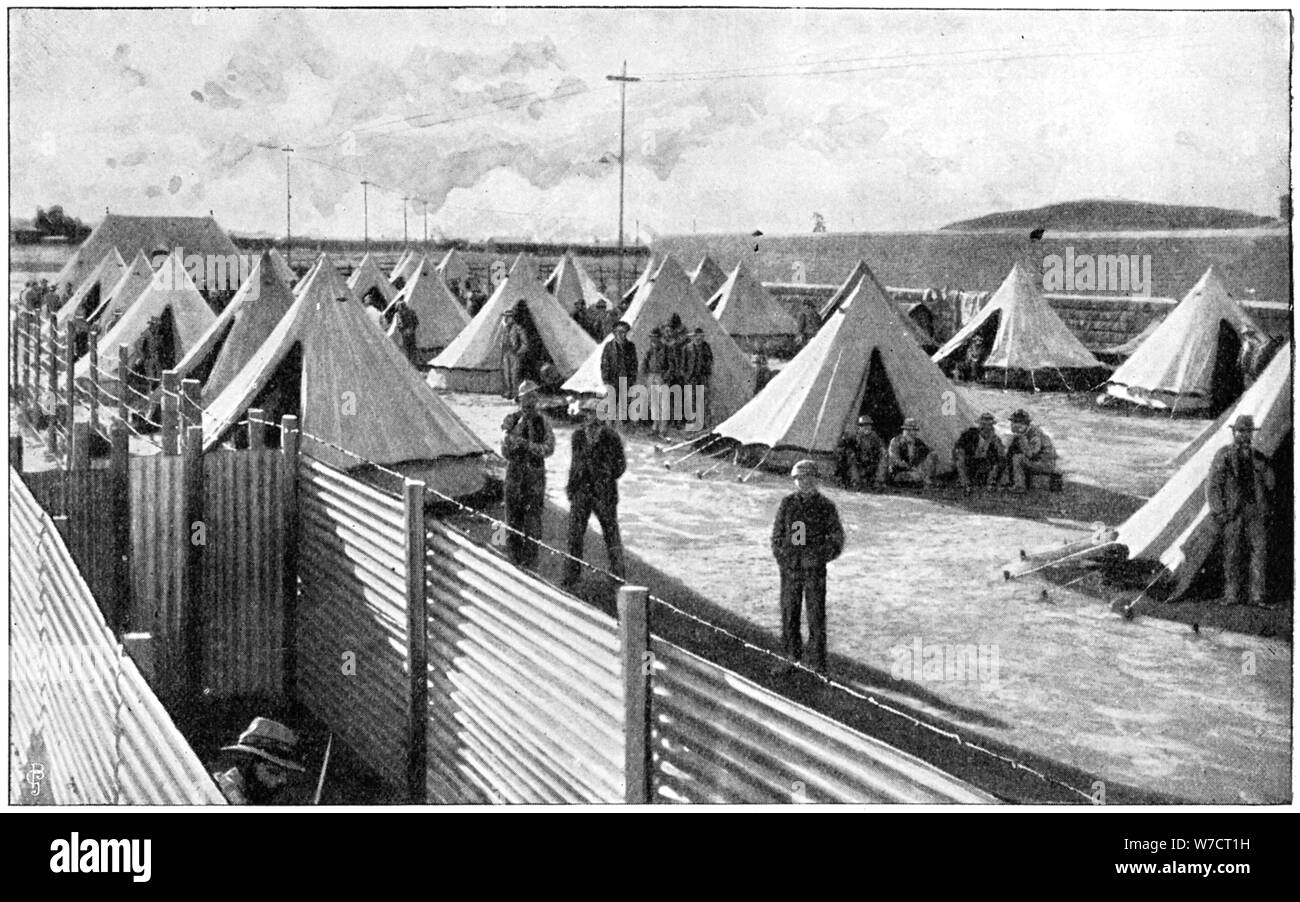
(441, 316)
(150, 234)
(105, 275)
(744, 307)
(1174, 527)
(240, 329)
(170, 288)
(1174, 367)
(478, 346)
(569, 282)
(453, 266)
(669, 292)
(403, 264)
(287, 275)
(708, 277)
(810, 402)
(392, 417)
(366, 276)
(860, 272)
(130, 285)
(1030, 335)
(651, 267)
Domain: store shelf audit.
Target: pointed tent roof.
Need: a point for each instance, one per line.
(651, 267)
(708, 277)
(862, 272)
(240, 329)
(404, 264)
(334, 279)
(569, 282)
(132, 283)
(1174, 367)
(151, 234)
(847, 287)
(105, 275)
(396, 418)
(744, 307)
(1030, 336)
(287, 275)
(810, 402)
(366, 276)
(669, 291)
(478, 346)
(453, 266)
(441, 316)
(170, 289)
(1174, 526)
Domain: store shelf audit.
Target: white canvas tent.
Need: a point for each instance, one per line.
(860, 361)
(708, 277)
(130, 285)
(651, 267)
(1174, 527)
(669, 291)
(403, 264)
(570, 282)
(351, 387)
(1188, 363)
(453, 268)
(239, 330)
(881, 295)
(748, 312)
(472, 362)
(1027, 344)
(90, 293)
(282, 267)
(441, 316)
(367, 276)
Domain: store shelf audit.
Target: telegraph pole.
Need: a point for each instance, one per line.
(288, 212)
(623, 81)
(404, 239)
(365, 210)
(426, 223)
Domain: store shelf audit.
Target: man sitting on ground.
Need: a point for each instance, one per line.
(1031, 451)
(978, 455)
(860, 457)
(909, 460)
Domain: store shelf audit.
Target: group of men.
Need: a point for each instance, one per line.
(674, 358)
(979, 457)
(597, 320)
(42, 295)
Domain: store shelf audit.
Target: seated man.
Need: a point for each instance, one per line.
(909, 460)
(978, 455)
(860, 457)
(1031, 451)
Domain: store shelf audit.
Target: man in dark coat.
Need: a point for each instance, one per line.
(979, 455)
(806, 535)
(267, 761)
(909, 459)
(528, 442)
(619, 361)
(860, 457)
(1239, 493)
(598, 320)
(596, 464)
(405, 322)
(656, 372)
(697, 371)
(515, 348)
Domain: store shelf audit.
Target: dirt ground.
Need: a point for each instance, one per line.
(1143, 702)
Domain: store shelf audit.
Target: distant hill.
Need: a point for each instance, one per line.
(1114, 216)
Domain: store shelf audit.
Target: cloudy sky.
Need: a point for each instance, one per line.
(504, 122)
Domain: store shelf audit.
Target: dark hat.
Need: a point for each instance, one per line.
(674, 320)
(1020, 416)
(1245, 423)
(911, 423)
(656, 332)
(271, 741)
(622, 324)
(987, 418)
(698, 331)
(600, 302)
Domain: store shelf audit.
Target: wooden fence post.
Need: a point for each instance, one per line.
(195, 537)
(634, 633)
(289, 452)
(123, 408)
(93, 351)
(53, 324)
(13, 351)
(120, 467)
(33, 360)
(79, 453)
(16, 452)
(256, 429)
(70, 359)
(191, 406)
(171, 437)
(417, 638)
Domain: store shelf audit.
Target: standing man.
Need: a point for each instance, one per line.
(1031, 452)
(618, 362)
(978, 455)
(596, 464)
(806, 535)
(514, 351)
(657, 371)
(405, 323)
(598, 320)
(528, 442)
(972, 367)
(697, 369)
(860, 457)
(1240, 495)
(909, 460)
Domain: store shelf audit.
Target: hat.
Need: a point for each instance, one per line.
(622, 324)
(864, 420)
(804, 467)
(675, 320)
(698, 331)
(987, 418)
(1020, 416)
(600, 302)
(656, 332)
(911, 423)
(271, 741)
(1245, 423)
(527, 387)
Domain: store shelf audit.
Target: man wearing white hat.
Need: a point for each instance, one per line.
(267, 759)
(806, 535)
(909, 459)
(1239, 493)
(528, 442)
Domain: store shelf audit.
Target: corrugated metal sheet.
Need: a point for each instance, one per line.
(158, 545)
(243, 572)
(352, 608)
(525, 685)
(81, 711)
(719, 738)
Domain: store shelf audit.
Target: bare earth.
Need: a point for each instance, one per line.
(1148, 703)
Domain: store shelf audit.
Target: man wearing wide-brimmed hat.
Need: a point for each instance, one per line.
(1239, 493)
(1031, 451)
(978, 455)
(267, 757)
(515, 348)
(806, 536)
(860, 456)
(909, 460)
(528, 442)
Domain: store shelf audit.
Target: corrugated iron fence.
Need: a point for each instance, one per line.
(85, 728)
